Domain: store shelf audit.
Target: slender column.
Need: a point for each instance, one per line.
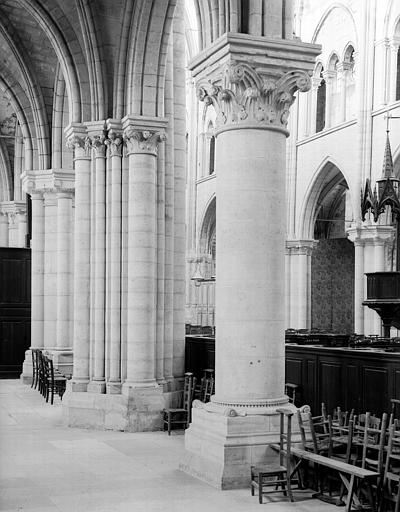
(179, 190)
(142, 136)
(21, 222)
(50, 269)
(3, 230)
(37, 270)
(114, 143)
(97, 383)
(64, 225)
(12, 229)
(329, 77)
(394, 48)
(76, 135)
(343, 70)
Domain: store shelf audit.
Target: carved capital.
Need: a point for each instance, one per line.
(81, 145)
(244, 97)
(114, 142)
(98, 144)
(143, 141)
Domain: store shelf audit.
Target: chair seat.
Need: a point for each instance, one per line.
(174, 410)
(270, 469)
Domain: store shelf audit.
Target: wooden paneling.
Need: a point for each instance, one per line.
(330, 383)
(15, 309)
(375, 389)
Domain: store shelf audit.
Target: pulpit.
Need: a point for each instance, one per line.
(383, 295)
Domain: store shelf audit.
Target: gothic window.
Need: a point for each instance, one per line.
(321, 104)
(349, 81)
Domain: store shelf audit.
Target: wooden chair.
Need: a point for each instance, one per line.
(291, 390)
(279, 474)
(55, 382)
(315, 432)
(35, 367)
(181, 415)
(206, 387)
(391, 476)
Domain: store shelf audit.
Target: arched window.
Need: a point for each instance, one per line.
(349, 70)
(321, 103)
(211, 167)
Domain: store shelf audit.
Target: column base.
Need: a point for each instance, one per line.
(97, 386)
(27, 370)
(113, 388)
(222, 443)
(140, 410)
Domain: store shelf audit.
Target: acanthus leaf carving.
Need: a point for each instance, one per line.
(139, 140)
(242, 95)
(114, 142)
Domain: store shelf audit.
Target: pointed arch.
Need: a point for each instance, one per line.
(207, 227)
(332, 7)
(327, 177)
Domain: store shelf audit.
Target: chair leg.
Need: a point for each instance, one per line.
(260, 489)
(169, 423)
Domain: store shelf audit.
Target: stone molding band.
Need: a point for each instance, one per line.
(232, 409)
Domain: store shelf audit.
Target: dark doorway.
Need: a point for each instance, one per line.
(15, 310)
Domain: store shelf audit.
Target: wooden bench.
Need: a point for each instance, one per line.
(357, 474)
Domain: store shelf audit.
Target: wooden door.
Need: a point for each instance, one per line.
(15, 309)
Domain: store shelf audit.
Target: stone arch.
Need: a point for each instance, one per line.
(57, 41)
(331, 8)
(207, 228)
(327, 178)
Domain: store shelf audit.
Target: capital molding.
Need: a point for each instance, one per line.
(300, 247)
(96, 137)
(115, 138)
(371, 234)
(48, 180)
(250, 81)
(76, 136)
(144, 134)
(13, 208)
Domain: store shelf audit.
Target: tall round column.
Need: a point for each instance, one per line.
(233, 431)
(3, 230)
(142, 143)
(37, 269)
(50, 269)
(81, 344)
(251, 227)
(97, 383)
(115, 154)
(64, 225)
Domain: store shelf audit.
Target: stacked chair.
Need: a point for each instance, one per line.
(45, 377)
(364, 440)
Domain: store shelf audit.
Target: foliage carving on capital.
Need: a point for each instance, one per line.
(82, 144)
(244, 96)
(114, 142)
(98, 143)
(143, 141)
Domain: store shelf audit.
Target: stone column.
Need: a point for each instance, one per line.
(142, 136)
(114, 143)
(76, 137)
(343, 70)
(37, 272)
(3, 230)
(97, 138)
(329, 77)
(50, 269)
(231, 432)
(393, 49)
(300, 252)
(12, 228)
(63, 357)
(370, 242)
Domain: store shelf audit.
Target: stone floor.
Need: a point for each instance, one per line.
(46, 467)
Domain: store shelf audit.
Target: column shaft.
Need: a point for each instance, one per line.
(98, 373)
(251, 237)
(37, 266)
(50, 270)
(64, 225)
(82, 270)
(3, 230)
(114, 379)
(141, 269)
